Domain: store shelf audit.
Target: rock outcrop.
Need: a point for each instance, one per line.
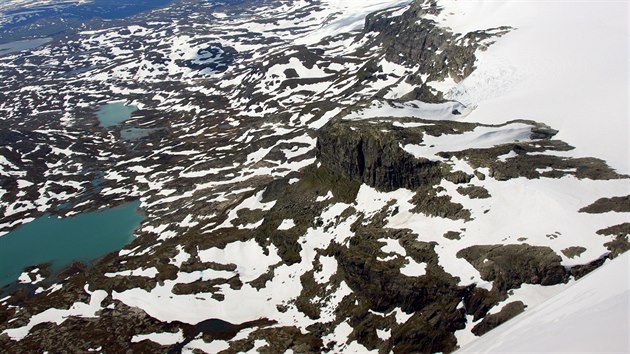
(604, 205)
(413, 39)
(491, 321)
(367, 153)
(509, 266)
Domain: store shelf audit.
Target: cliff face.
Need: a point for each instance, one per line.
(414, 39)
(372, 155)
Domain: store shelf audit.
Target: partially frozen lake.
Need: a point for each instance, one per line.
(112, 114)
(61, 242)
(136, 133)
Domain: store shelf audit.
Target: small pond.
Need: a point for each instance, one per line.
(112, 114)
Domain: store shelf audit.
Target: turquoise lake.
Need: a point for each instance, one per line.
(112, 114)
(84, 237)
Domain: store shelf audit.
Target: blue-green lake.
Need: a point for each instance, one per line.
(112, 114)
(84, 237)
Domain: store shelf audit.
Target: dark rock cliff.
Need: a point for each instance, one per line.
(414, 39)
(372, 155)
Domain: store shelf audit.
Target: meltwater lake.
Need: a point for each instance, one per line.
(115, 113)
(112, 114)
(84, 237)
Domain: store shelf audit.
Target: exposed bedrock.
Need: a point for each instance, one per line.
(604, 205)
(509, 266)
(496, 319)
(413, 39)
(432, 298)
(374, 157)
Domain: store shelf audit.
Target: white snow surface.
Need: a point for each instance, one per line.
(551, 202)
(286, 224)
(148, 273)
(565, 64)
(589, 317)
(58, 316)
(479, 138)
(347, 16)
(413, 268)
(249, 257)
(165, 338)
(419, 109)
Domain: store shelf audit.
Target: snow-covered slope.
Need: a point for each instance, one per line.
(343, 16)
(589, 317)
(565, 64)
